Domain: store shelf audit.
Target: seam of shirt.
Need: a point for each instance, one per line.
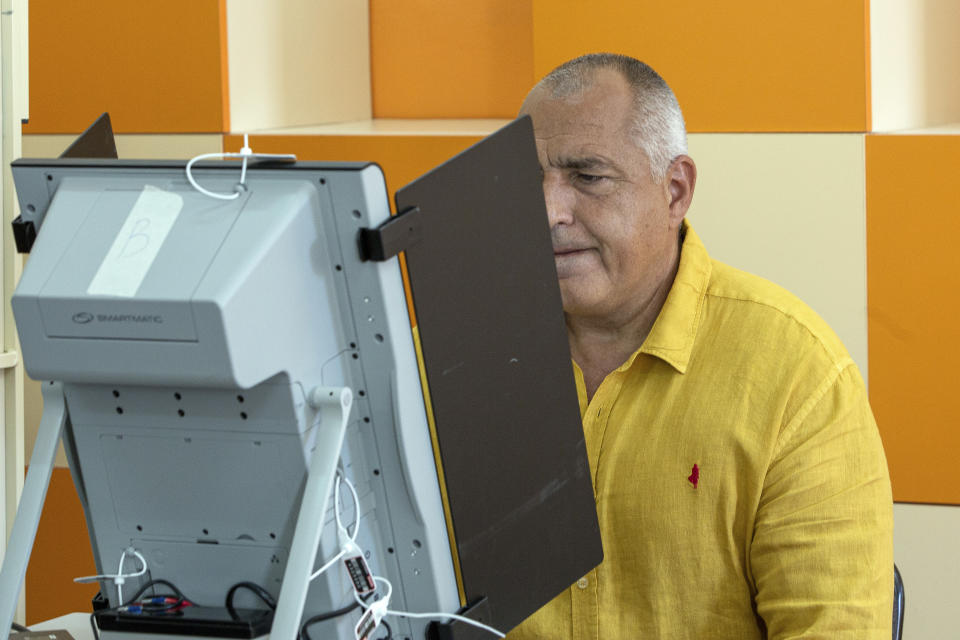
(839, 361)
(811, 402)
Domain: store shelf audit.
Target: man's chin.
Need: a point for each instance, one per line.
(580, 303)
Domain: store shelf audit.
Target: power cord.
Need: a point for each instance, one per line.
(245, 154)
(336, 613)
(19, 628)
(256, 589)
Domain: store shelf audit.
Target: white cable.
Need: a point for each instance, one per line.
(332, 561)
(381, 608)
(120, 577)
(346, 540)
(356, 509)
(245, 153)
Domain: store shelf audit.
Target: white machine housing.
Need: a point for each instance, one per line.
(188, 334)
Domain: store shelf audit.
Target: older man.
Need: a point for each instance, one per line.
(740, 480)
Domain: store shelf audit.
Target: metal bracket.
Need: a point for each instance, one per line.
(334, 404)
(31, 501)
(24, 234)
(391, 237)
(9, 359)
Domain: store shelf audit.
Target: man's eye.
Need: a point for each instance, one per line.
(589, 178)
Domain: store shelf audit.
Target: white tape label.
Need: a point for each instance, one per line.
(137, 243)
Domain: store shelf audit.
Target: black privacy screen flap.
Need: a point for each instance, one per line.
(499, 372)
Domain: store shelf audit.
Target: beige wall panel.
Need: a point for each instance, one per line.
(926, 552)
(157, 147)
(297, 62)
(790, 208)
(131, 146)
(915, 63)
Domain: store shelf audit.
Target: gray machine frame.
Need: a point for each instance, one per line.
(491, 506)
(114, 383)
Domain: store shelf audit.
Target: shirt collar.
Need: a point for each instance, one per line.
(672, 336)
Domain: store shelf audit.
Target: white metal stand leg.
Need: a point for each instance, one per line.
(334, 406)
(31, 502)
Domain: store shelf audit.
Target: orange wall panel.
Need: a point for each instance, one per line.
(61, 552)
(463, 59)
(913, 276)
(156, 65)
(750, 65)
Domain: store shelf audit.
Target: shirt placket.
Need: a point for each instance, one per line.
(585, 609)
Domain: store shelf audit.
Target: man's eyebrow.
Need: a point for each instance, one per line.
(582, 162)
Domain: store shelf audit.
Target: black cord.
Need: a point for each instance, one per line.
(177, 594)
(93, 624)
(256, 589)
(389, 635)
(336, 613)
(19, 628)
(152, 583)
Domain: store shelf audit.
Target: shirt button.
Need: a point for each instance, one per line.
(582, 583)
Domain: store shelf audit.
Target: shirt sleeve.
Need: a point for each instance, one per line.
(821, 557)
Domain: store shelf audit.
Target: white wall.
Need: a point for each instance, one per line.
(915, 63)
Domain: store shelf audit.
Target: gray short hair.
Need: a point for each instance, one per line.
(658, 124)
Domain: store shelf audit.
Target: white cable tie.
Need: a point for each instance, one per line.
(195, 185)
(111, 576)
(245, 153)
(453, 616)
(385, 600)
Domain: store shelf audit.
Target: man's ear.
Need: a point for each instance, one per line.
(681, 180)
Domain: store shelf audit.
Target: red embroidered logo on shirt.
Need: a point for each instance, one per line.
(694, 477)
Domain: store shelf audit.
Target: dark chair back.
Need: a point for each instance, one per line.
(897, 604)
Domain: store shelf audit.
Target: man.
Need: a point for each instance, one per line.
(741, 485)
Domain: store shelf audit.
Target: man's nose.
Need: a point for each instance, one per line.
(559, 200)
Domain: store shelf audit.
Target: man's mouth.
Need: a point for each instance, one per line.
(568, 251)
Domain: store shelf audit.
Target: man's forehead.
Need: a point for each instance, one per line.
(590, 114)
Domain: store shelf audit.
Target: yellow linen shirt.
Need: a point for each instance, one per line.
(741, 485)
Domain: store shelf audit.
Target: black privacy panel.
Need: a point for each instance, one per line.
(498, 367)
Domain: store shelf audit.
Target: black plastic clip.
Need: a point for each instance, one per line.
(478, 610)
(391, 237)
(24, 234)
